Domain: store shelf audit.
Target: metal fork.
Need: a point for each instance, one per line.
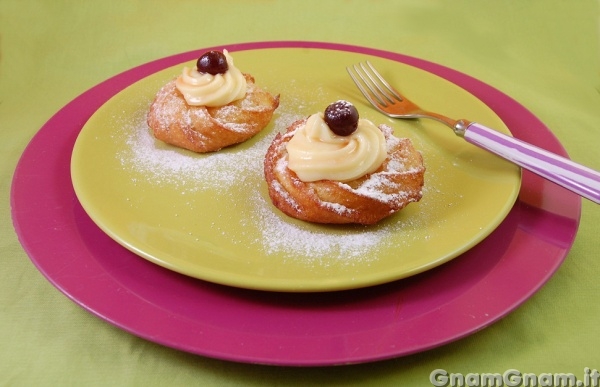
(560, 170)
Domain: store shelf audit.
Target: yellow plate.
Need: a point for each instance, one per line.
(209, 216)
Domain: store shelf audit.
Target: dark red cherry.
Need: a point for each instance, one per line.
(342, 118)
(212, 62)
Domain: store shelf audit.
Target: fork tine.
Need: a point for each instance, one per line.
(382, 81)
(373, 86)
(364, 87)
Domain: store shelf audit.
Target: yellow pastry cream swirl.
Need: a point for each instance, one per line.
(316, 153)
(204, 89)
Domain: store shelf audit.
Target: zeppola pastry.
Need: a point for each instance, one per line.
(211, 106)
(333, 167)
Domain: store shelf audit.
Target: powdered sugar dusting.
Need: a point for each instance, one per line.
(165, 164)
(294, 241)
(237, 172)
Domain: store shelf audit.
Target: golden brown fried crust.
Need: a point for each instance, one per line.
(367, 200)
(207, 129)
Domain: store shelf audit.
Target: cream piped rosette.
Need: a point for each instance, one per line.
(204, 89)
(316, 153)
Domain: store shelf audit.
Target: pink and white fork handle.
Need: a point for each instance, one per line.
(562, 171)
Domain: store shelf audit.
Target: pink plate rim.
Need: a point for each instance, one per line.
(315, 329)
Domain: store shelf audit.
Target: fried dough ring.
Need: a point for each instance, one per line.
(366, 200)
(207, 129)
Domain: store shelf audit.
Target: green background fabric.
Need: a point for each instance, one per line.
(545, 54)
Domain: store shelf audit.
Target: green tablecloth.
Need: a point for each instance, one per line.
(544, 54)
